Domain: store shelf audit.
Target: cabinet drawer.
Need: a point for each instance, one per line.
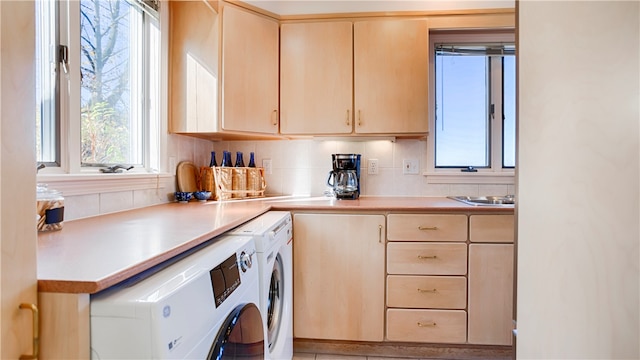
(443, 326)
(491, 228)
(409, 227)
(440, 292)
(427, 258)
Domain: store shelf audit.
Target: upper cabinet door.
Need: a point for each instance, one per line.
(391, 65)
(316, 75)
(194, 67)
(249, 72)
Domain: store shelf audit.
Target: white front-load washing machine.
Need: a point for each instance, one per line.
(273, 234)
(204, 306)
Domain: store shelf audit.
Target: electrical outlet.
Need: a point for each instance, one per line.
(410, 166)
(266, 164)
(372, 168)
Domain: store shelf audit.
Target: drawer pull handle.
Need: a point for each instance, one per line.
(35, 330)
(380, 233)
(427, 290)
(427, 228)
(429, 324)
(427, 257)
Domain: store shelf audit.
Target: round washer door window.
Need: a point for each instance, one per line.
(241, 335)
(275, 301)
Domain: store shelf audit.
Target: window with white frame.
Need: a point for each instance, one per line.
(473, 87)
(98, 76)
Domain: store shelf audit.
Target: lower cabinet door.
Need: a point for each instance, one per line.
(338, 278)
(438, 326)
(490, 294)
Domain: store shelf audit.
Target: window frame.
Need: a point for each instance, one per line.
(495, 174)
(70, 176)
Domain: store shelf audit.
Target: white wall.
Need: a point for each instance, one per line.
(578, 180)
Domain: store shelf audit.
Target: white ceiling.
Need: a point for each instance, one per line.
(301, 7)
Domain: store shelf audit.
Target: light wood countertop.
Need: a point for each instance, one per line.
(89, 255)
(381, 203)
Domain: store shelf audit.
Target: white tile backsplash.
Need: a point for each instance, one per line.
(302, 166)
(81, 206)
(116, 201)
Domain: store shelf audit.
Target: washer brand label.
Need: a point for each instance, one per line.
(174, 343)
(166, 311)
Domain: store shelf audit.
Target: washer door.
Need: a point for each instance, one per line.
(241, 335)
(275, 301)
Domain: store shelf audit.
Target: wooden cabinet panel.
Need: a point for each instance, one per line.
(391, 76)
(338, 263)
(316, 74)
(65, 326)
(490, 293)
(427, 258)
(410, 227)
(193, 67)
(491, 228)
(439, 292)
(250, 60)
(442, 326)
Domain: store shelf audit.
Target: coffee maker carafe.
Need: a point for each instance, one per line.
(344, 179)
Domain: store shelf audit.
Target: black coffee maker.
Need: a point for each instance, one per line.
(344, 179)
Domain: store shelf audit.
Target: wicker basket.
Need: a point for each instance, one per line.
(207, 182)
(239, 182)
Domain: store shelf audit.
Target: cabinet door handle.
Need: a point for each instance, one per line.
(36, 331)
(348, 118)
(427, 228)
(427, 290)
(427, 257)
(274, 117)
(380, 233)
(359, 117)
(427, 324)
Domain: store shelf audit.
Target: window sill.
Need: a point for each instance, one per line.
(470, 178)
(83, 184)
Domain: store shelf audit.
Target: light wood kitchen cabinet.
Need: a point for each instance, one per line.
(426, 284)
(391, 82)
(435, 326)
(223, 71)
(436, 292)
(491, 228)
(427, 258)
(427, 227)
(490, 280)
(17, 188)
(250, 59)
(338, 273)
(316, 78)
(193, 67)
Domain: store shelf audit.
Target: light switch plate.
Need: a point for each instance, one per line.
(410, 166)
(266, 164)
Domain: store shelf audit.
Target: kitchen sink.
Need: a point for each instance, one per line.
(507, 200)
